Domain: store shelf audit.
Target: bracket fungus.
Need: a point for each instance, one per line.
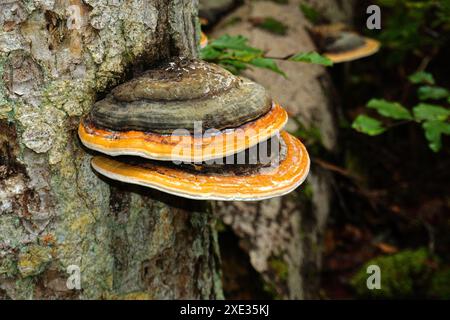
(203, 40)
(339, 44)
(218, 182)
(186, 110)
(176, 127)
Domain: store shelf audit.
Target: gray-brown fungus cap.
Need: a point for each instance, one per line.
(178, 93)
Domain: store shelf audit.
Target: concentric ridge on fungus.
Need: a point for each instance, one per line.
(143, 116)
(257, 184)
(184, 148)
(176, 94)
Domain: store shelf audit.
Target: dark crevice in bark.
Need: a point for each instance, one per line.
(4, 295)
(240, 280)
(8, 151)
(119, 205)
(162, 30)
(312, 235)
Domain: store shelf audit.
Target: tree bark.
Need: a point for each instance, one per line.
(128, 242)
(283, 237)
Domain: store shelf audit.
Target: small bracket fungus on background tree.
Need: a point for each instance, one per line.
(151, 120)
(339, 44)
(203, 40)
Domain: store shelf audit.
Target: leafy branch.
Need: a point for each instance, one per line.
(432, 117)
(235, 54)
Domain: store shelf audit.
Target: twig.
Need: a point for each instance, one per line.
(332, 167)
(279, 58)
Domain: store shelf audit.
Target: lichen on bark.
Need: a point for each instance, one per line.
(56, 57)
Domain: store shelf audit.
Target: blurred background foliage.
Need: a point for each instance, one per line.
(396, 214)
(392, 170)
(235, 54)
(413, 30)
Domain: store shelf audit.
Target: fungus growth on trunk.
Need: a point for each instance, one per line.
(193, 129)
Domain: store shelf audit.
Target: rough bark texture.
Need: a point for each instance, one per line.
(284, 236)
(334, 10)
(54, 211)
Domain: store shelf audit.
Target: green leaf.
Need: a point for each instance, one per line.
(310, 13)
(272, 25)
(233, 42)
(433, 93)
(311, 57)
(421, 77)
(267, 64)
(234, 66)
(425, 111)
(241, 55)
(434, 131)
(368, 125)
(392, 110)
(208, 53)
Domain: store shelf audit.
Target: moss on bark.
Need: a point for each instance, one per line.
(54, 210)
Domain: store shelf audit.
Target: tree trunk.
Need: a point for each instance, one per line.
(57, 58)
(283, 237)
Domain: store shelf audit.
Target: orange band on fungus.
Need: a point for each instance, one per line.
(203, 40)
(370, 47)
(262, 184)
(184, 148)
